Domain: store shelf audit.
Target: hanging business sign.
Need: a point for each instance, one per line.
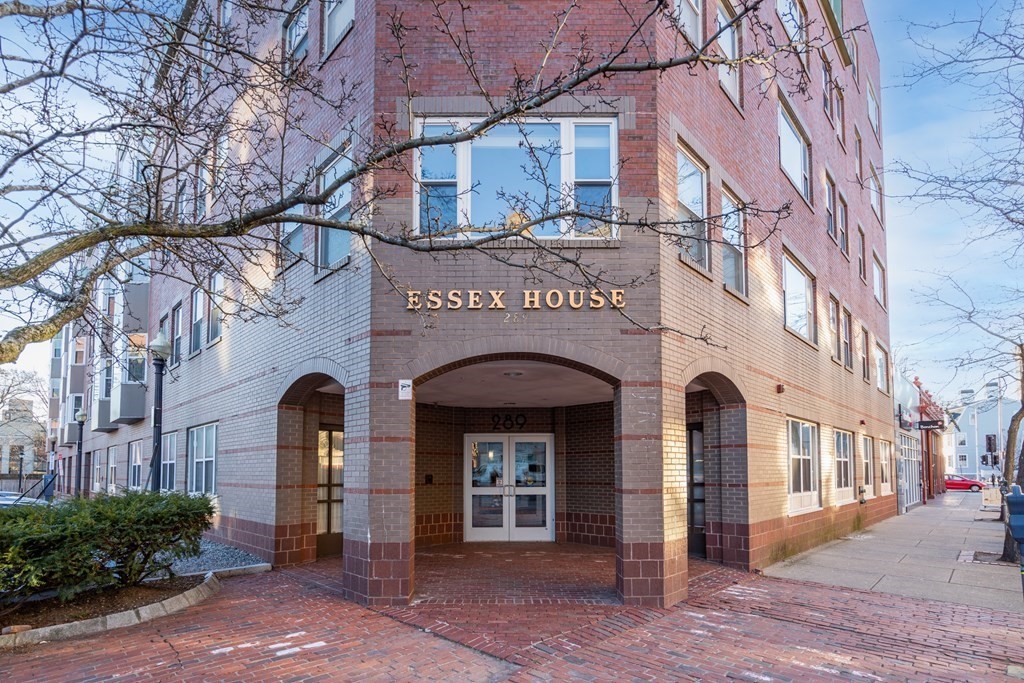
(931, 424)
(526, 300)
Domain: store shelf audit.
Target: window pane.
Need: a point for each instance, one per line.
(437, 162)
(339, 201)
(792, 152)
(438, 207)
(797, 304)
(336, 521)
(690, 185)
(593, 152)
(593, 199)
(321, 518)
(292, 240)
(733, 266)
(512, 176)
(334, 245)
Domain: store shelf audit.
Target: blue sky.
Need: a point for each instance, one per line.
(930, 122)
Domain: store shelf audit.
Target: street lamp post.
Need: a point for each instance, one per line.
(161, 349)
(80, 418)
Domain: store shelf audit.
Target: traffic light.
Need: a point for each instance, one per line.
(984, 459)
(990, 443)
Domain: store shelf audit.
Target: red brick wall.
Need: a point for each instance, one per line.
(589, 506)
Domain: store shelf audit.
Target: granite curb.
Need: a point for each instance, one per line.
(193, 596)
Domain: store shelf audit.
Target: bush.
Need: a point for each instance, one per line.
(82, 544)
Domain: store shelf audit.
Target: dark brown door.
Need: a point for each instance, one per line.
(329, 492)
(695, 489)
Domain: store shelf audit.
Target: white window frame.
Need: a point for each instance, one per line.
(567, 173)
(843, 216)
(177, 319)
(688, 17)
(729, 43)
(292, 234)
(827, 88)
(885, 466)
(845, 478)
(846, 332)
(135, 353)
(199, 454)
(878, 280)
(296, 44)
(694, 244)
(833, 324)
(338, 203)
(874, 191)
(867, 450)
(215, 314)
(74, 399)
(872, 105)
(225, 13)
(135, 465)
(787, 122)
(808, 285)
(862, 254)
(97, 471)
(865, 354)
(337, 16)
(195, 340)
(734, 243)
(111, 470)
(79, 351)
(801, 500)
(881, 368)
(168, 460)
(831, 220)
(794, 20)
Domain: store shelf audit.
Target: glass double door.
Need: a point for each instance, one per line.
(509, 487)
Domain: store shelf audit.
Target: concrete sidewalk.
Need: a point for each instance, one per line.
(923, 554)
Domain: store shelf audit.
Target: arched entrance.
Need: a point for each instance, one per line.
(515, 448)
(717, 490)
(310, 463)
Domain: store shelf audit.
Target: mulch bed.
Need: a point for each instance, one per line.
(97, 604)
(991, 558)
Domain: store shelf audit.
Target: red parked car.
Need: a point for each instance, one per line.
(954, 482)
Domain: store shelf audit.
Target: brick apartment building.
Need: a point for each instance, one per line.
(533, 410)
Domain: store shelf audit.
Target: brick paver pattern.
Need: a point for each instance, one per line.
(485, 613)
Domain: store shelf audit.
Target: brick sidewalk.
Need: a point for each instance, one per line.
(293, 625)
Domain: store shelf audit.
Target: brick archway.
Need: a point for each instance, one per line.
(720, 407)
(302, 412)
(547, 350)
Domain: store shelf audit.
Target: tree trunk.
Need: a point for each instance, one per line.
(1010, 548)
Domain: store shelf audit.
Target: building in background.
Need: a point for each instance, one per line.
(975, 440)
(533, 410)
(22, 443)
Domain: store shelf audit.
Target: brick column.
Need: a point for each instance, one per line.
(734, 485)
(295, 494)
(379, 495)
(650, 495)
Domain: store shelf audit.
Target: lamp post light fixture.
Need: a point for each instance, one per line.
(80, 418)
(161, 349)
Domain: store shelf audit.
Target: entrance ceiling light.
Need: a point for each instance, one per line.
(513, 373)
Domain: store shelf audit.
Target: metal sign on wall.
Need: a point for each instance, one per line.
(499, 299)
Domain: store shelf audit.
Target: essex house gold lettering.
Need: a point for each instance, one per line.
(533, 299)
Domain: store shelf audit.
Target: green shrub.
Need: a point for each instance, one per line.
(83, 544)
